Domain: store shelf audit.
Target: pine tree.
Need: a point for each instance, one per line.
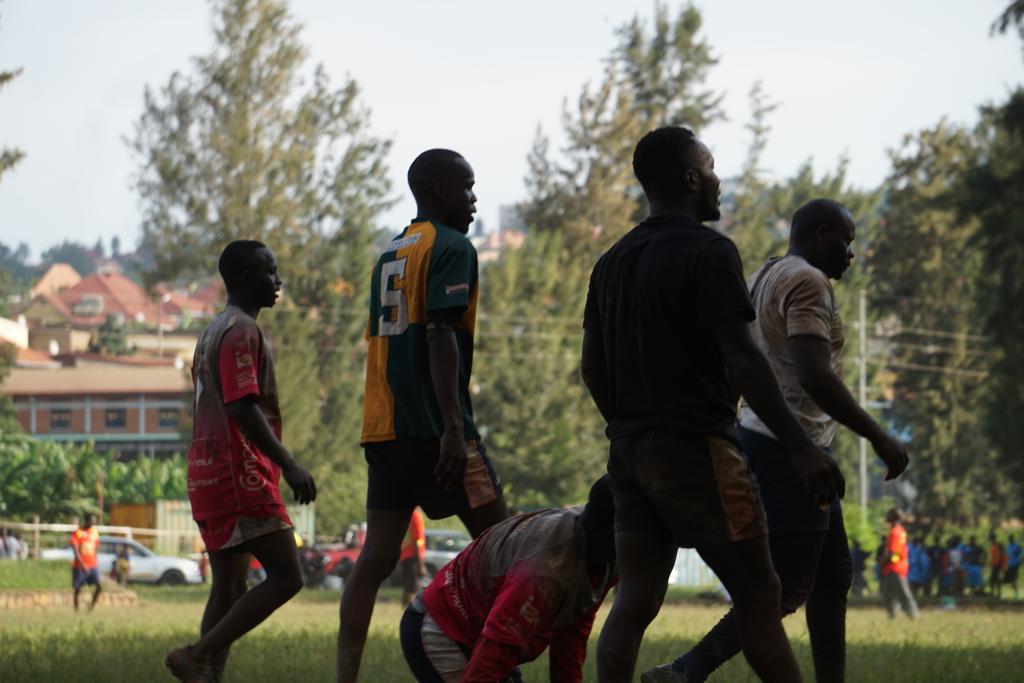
(9, 156)
(926, 276)
(995, 196)
(244, 147)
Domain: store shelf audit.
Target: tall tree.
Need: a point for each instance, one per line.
(74, 254)
(926, 278)
(995, 196)
(531, 406)
(656, 75)
(9, 156)
(1011, 18)
(243, 147)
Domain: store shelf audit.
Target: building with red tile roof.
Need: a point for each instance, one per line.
(98, 296)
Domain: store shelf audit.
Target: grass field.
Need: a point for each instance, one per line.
(297, 644)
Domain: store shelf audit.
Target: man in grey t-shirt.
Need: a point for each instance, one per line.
(799, 330)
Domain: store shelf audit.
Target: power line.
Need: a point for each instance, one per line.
(937, 369)
(935, 333)
(881, 296)
(928, 348)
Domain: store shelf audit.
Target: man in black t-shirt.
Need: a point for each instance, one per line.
(665, 350)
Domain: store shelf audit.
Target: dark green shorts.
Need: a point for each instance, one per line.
(696, 488)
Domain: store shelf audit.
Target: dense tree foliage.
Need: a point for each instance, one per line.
(242, 146)
(250, 142)
(57, 481)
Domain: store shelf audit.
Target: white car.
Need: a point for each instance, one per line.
(145, 565)
(442, 547)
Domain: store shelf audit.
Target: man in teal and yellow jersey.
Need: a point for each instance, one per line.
(422, 445)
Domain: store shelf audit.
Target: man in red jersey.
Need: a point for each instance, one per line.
(895, 568)
(530, 582)
(234, 465)
(84, 542)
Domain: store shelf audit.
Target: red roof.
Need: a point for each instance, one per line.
(113, 294)
(211, 292)
(179, 303)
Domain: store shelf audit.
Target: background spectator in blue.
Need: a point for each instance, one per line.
(974, 561)
(1013, 560)
(919, 565)
(935, 554)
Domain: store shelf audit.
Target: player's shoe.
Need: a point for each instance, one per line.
(214, 674)
(185, 667)
(665, 674)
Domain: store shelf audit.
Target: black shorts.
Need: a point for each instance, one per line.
(787, 504)
(402, 477)
(695, 488)
(80, 577)
(1011, 574)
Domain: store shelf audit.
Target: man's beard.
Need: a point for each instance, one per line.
(712, 212)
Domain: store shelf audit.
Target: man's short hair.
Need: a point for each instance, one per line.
(235, 258)
(657, 155)
(814, 214)
(428, 168)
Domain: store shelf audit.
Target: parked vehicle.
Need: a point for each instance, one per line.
(442, 547)
(145, 566)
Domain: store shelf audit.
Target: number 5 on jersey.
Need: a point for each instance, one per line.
(394, 310)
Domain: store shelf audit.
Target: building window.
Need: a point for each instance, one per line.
(60, 419)
(115, 417)
(168, 417)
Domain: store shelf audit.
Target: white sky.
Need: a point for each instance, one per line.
(479, 76)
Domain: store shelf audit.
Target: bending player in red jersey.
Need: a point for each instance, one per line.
(528, 583)
(234, 465)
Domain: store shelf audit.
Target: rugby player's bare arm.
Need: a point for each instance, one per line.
(592, 368)
(812, 358)
(443, 356)
(253, 423)
(752, 375)
(568, 650)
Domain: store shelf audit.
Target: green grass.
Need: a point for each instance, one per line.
(297, 643)
(34, 574)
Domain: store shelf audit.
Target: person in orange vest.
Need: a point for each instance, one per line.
(84, 542)
(895, 568)
(410, 560)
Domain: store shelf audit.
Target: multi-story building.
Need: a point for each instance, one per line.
(131, 408)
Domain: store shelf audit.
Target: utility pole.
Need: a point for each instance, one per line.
(164, 298)
(862, 397)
